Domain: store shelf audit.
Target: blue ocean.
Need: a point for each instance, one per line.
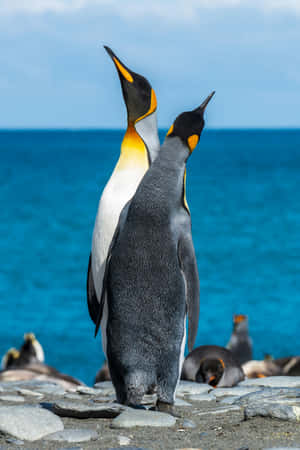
(243, 193)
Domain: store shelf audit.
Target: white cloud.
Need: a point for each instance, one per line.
(169, 9)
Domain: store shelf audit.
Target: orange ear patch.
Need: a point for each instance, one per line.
(153, 106)
(222, 363)
(193, 141)
(123, 71)
(239, 318)
(170, 130)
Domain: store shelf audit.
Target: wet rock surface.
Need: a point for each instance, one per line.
(248, 416)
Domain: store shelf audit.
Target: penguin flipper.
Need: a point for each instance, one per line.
(92, 301)
(189, 268)
(121, 222)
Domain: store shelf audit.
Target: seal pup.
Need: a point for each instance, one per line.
(240, 343)
(213, 365)
(139, 148)
(151, 277)
(261, 369)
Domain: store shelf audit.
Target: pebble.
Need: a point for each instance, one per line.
(28, 422)
(65, 408)
(29, 393)
(202, 397)
(12, 398)
(188, 424)
(87, 390)
(281, 382)
(191, 388)
(14, 441)
(123, 440)
(143, 418)
(78, 435)
(128, 448)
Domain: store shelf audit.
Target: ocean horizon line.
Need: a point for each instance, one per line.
(97, 129)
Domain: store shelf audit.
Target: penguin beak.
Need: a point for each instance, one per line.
(123, 71)
(202, 107)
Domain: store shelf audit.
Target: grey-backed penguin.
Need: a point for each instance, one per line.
(213, 365)
(139, 148)
(151, 275)
(240, 343)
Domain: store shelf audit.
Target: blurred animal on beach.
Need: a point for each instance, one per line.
(139, 149)
(151, 276)
(31, 351)
(261, 369)
(213, 365)
(240, 343)
(103, 373)
(290, 365)
(28, 364)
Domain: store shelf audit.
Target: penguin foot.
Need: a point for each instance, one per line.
(166, 408)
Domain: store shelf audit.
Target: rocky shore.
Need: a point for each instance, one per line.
(257, 414)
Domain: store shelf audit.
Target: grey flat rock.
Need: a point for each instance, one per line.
(81, 410)
(269, 394)
(105, 388)
(51, 389)
(190, 388)
(273, 410)
(12, 398)
(282, 448)
(290, 382)
(229, 400)
(141, 418)
(78, 435)
(235, 391)
(180, 402)
(223, 410)
(29, 393)
(28, 423)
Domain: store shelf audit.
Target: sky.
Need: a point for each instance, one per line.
(56, 74)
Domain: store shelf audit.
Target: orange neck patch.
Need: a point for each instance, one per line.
(193, 141)
(133, 151)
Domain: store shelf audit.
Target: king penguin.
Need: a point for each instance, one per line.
(240, 343)
(213, 365)
(139, 148)
(151, 276)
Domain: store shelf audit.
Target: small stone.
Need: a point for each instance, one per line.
(188, 424)
(143, 418)
(279, 382)
(128, 448)
(65, 408)
(202, 397)
(30, 393)
(191, 387)
(124, 440)
(229, 400)
(12, 398)
(73, 396)
(28, 423)
(78, 435)
(87, 390)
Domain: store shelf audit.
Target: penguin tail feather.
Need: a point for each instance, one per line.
(137, 385)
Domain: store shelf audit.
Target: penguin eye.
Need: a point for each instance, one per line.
(193, 141)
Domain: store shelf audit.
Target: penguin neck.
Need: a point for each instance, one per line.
(147, 129)
(134, 153)
(172, 158)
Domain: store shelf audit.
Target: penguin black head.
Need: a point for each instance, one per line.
(188, 126)
(31, 349)
(139, 97)
(10, 358)
(210, 371)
